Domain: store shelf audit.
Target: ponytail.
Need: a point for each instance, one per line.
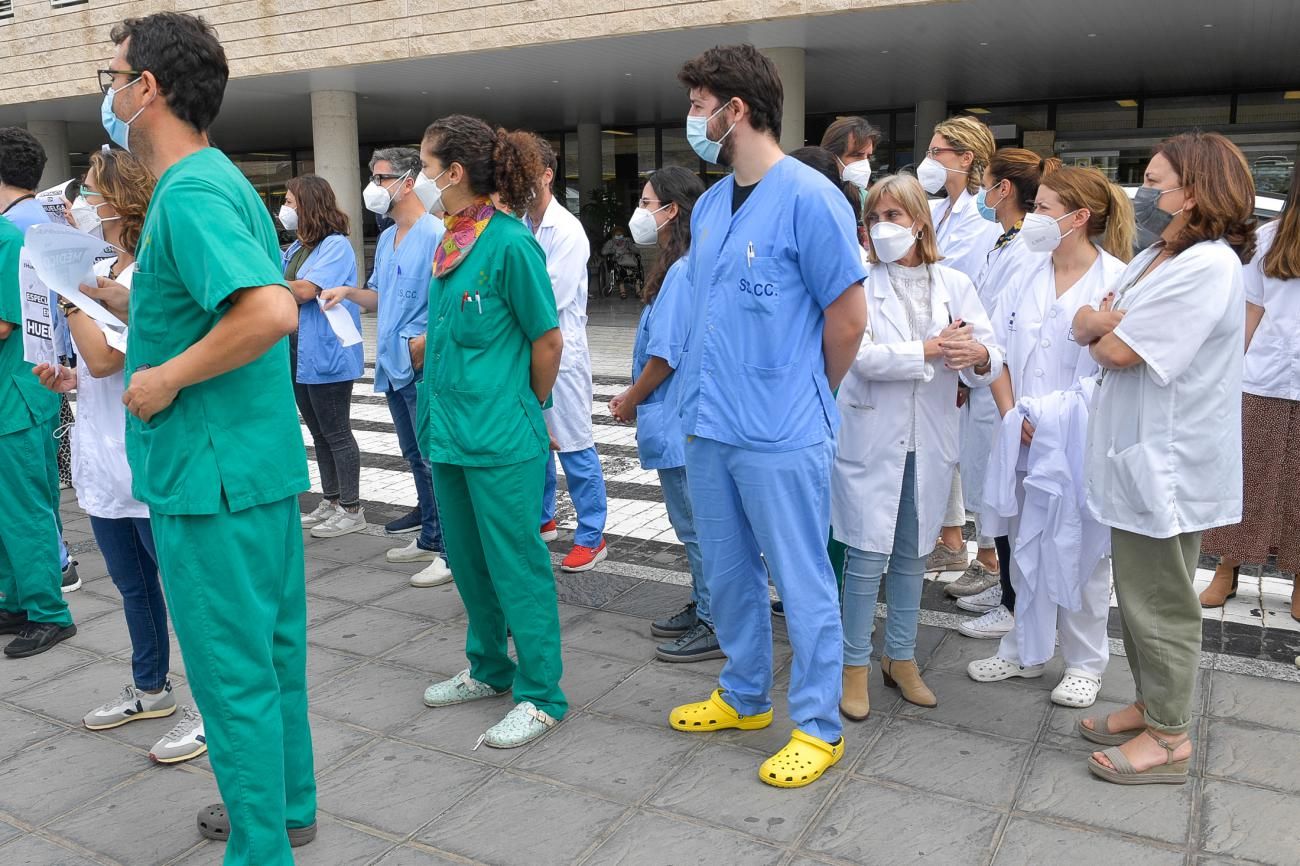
(1111, 223)
(1120, 233)
(518, 168)
(495, 161)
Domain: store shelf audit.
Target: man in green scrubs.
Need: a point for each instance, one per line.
(213, 438)
(31, 598)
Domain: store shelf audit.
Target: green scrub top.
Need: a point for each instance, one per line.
(23, 402)
(478, 407)
(207, 234)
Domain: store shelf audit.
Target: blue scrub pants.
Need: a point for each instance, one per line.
(862, 572)
(402, 406)
(587, 490)
(677, 501)
(127, 545)
(776, 503)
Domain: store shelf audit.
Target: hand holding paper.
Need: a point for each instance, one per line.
(340, 321)
(64, 258)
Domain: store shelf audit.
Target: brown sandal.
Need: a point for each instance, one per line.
(1122, 772)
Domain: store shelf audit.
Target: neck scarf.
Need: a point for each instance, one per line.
(1009, 235)
(463, 229)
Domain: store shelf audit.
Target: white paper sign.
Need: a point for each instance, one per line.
(64, 259)
(38, 319)
(341, 323)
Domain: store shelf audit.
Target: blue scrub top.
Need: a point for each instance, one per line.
(322, 359)
(753, 373)
(401, 277)
(662, 334)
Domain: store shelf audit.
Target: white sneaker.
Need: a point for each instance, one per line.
(129, 706)
(342, 523)
(183, 742)
(435, 574)
(323, 512)
(994, 624)
(412, 552)
(982, 602)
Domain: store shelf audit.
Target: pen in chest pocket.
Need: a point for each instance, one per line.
(749, 255)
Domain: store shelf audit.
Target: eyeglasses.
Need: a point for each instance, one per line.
(935, 151)
(646, 202)
(85, 191)
(106, 77)
(378, 179)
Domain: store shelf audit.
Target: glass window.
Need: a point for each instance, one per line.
(1271, 166)
(1186, 112)
(1274, 107)
(1096, 116)
(677, 151)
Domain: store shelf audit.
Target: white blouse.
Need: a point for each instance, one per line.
(1273, 359)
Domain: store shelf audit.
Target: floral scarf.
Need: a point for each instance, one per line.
(463, 229)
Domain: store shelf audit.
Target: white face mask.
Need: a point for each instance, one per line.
(933, 174)
(644, 227)
(380, 199)
(87, 218)
(891, 242)
(429, 193)
(857, 173)
(1041, 233)
(288, 218)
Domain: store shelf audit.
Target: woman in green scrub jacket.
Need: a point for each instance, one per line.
(492, 354)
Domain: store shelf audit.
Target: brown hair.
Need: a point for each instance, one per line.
(907, 191)
(740, 72)
(509, 164)
(1111, 212)
(318, 211)
(672, 184)
(968, 135)
(126, 184)
(849, 134)
(1215, 172)
(1282, 262)
(1025, 169)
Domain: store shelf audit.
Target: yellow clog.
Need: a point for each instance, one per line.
(715, 714)
(801, 762)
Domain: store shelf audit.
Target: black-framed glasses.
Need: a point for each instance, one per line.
(106, 77)
(378, 179)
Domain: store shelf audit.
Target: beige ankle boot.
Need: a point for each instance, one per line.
(1221, 588)
(906, 677)
(856, 704)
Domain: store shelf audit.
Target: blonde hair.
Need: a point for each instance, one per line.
(1112, 213)
(906, 190)
(968, 135)
(127, 184)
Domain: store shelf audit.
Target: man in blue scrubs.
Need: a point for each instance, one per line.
(776, 275)
(399, 287)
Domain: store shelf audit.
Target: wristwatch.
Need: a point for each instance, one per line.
(67, 307)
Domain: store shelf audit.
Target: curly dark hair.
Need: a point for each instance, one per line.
(672, 184)
(22, 159)
(1215, 171)
(743, 72)
(183, 54)
(319, 215)
(495, 161)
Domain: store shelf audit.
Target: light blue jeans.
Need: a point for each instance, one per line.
(586, 490)
(677, 502)
(862, 574)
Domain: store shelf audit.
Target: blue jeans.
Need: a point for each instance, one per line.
(586, 485)
(127, 545)
(402, 406)
(862, 572)
(677, 501)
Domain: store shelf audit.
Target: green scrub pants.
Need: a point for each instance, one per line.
(29, 535)
(236, 592)
(503, 573)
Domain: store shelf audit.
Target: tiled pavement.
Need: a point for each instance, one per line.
(992, 775)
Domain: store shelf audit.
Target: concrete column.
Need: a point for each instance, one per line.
(928, 113)
(590, 162)
(53, 136)
(790, 66)
(336, 154)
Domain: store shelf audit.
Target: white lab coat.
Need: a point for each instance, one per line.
(965, 237)
(875, 401)
(100, 473)
(567, 249)
(1272, 367)
(1002, 269)
(1164, 436)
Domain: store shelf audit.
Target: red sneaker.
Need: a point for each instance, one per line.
(584, 558)
(550, 531)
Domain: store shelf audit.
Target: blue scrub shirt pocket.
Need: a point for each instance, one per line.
(759, 285)
(651, 435)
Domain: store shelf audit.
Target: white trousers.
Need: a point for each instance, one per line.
(955, 513)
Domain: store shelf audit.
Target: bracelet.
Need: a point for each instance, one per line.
(67, 308)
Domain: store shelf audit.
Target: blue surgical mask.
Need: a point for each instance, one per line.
(697, 134)
(118, 130)
(989, 213)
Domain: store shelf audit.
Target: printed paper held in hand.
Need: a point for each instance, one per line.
(64, 259)
(341, 323)
(38, 318)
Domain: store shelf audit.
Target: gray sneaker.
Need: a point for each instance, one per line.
(182, 742)
(676, 625)
(129, 706)
(945, 558)
(973, 581)
(697, 645)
